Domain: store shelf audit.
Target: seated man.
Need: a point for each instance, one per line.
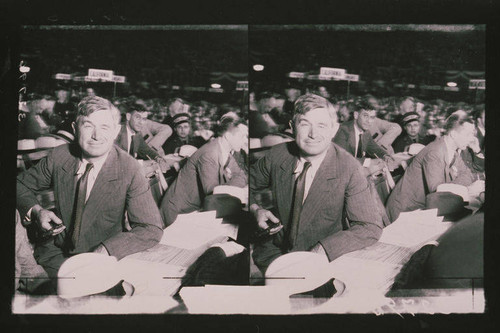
(411, 125)
(434, 165)
(94, 184)
(183, 135)
(155, 134)
(355, 137)
(313, 183)
(130, 138)
(210, 166)
(383, 132)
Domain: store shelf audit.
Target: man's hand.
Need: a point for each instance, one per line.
(46, 220)
(264, 215)
(376, 166)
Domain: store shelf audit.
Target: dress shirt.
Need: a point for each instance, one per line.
(357, 132)
(315, 163)
(225, 148)
(92, 174)
(450, 149)
(130, 133)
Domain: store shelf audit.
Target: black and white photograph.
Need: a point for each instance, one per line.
(250, 169)
(132, 167)
(367, 166)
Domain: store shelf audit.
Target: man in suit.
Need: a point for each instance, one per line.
(436, 164)
(94, 184)
(317, 187)
(355, 137)
(130, 138)
(411, 125)
(210, 166)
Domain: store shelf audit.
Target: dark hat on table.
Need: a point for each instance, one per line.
(224, 204)
(181, 118)
(409, 117)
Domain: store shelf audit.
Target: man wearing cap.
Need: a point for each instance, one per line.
(211, 165)
(183, 135)
(130, 138)
(322, 201)
(355, 137)
(411, 125)
(438, 163)
(94, 184)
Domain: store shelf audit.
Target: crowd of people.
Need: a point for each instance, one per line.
(297, 146)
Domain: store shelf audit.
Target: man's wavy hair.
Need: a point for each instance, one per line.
(91, 104)
(308, 102)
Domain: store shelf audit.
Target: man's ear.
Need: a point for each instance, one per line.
(292, 126)
(355, 114)
(117, 129)
(128, 115)
(74, 127)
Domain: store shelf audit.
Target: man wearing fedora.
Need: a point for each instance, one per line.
(211, 165)
(94, 184)
(411, 135)
(182, 136)
(438, 163)
(322, 201)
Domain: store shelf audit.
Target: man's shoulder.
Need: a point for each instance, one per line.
(343, 157)
(124, 160)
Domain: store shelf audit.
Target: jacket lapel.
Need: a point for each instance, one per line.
(352, 139)
(286, 188)
(322, 183)
(66, 181)
(102, 186)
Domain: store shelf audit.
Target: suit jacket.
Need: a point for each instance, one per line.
(346, 138)
(141, 148)
(156, 134)
(427, 170)
(203, 171)
(386, 132)
(338, 190)
(120, 186)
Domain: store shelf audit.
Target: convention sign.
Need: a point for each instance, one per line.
(118, 78)
(296, 75)
(451, 88)
(102, 74)
(242, 85)
(216, 90)
(195, 89)
(91, 79)
(62, 76)
(477, 84)
(351, 77)
(336, 73)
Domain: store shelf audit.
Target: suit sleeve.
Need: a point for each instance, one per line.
(208, 170)
(362, 214)
(260, 178)
(390, 131)
(160, 132)
(373, 149)
(146, 152)
(31, 181)
(433, 168)
(144, 218)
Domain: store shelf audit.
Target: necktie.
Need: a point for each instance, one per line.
(81, 193)
(132, 150)
(300, 185)
(359, 152)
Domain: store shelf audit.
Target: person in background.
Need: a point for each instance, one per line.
(95, 183)
(313, 183)
(130, 137)
(183, 135)
(211, 165)
(383, 132)
(355, 137)
(411, 135)
(260, 121)
(434, 165)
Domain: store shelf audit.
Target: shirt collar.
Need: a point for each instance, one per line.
(357, 130)
(97, 164)
(130, 131)
(226, 150)
(315, 162)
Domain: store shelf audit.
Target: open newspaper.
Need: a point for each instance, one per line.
(375, 267)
